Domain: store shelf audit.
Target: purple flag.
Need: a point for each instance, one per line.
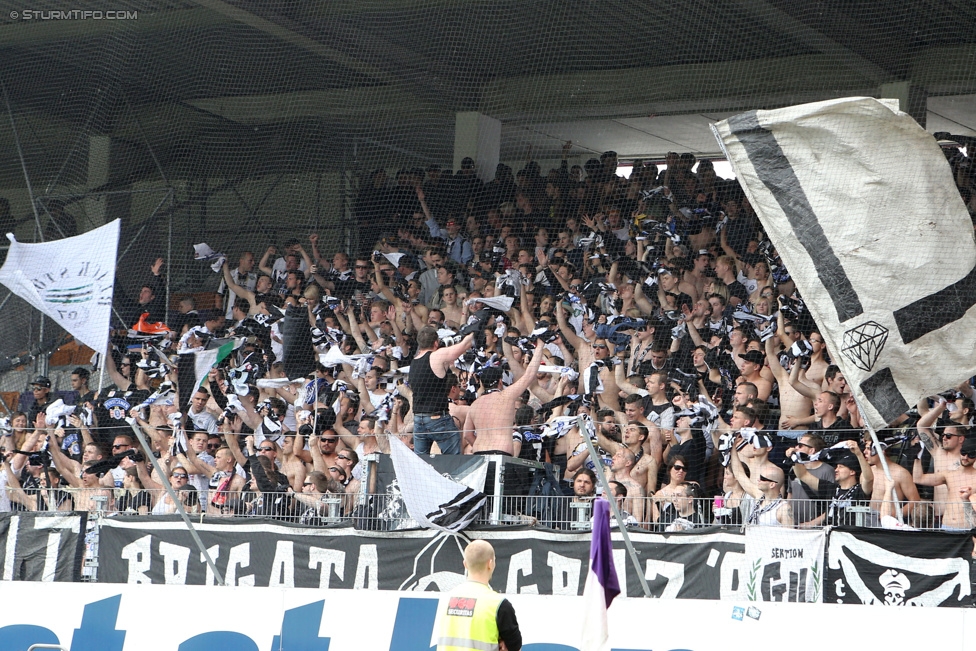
(601, 581)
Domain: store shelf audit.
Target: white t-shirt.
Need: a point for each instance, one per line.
(278, 268)
(4, 496)
(247, 281)
(201, 482)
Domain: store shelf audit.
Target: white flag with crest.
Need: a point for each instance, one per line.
(71, 280)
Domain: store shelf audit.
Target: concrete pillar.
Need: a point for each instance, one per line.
(96, 207)
(479, 137)
(912, 99)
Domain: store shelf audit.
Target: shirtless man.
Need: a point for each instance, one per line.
(489, 422)
(589, 349)
(765, 485)
(904, 486)
(834, 381)
(291, 465)
(794, 406)
(90, 488)
(751, 368)
(957, 482)
(818, 365)
(646, 462)
(623, 465)
(696, 275)
(323, 451)
(944, 447)
(610, 397)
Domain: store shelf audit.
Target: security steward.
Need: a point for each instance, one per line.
(477, 618)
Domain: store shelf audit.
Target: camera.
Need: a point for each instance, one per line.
(42, 458)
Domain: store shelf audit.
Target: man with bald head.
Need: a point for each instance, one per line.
(477, 617)
(766, 486)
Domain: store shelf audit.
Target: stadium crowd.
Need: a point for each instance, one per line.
(486, 318)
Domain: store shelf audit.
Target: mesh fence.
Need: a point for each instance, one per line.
(246, 123)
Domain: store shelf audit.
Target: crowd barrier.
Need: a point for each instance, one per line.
(854, 565)
(387, 512)
(122, 618)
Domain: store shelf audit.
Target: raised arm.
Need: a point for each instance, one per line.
(778, 371)
(117, 378)
(644, 305)
(199, 466)
(519, 386)
(351, 440)
(232, 439)
(571, 337)
(926, 478)
(313, 241)
(446, 356)
(867, 475)
(622, 383)
(355, 329)
(924, 426)
(64, 464)
(747, 483)
(265, 259)
(237, 289)
(808, 478)
(800, 386)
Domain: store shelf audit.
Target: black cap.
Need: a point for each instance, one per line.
(848, 460)
(491, 376)
(753, 356)
(968, 445)
(42, 381)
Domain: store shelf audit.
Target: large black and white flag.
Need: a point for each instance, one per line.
(71, 280)
(899, 568)
(860, 203)
(434, 501)
(42, 546)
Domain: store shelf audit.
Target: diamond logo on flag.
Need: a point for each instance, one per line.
(863, 344)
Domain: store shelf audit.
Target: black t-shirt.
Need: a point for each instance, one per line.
(112, 410)
(841, 499)
(35, 409)
(739, 232)
(508, 626)
(739, 290)
(839, 431)
(693, 450)
(130, 502)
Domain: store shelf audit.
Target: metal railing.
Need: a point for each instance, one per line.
(387, 511)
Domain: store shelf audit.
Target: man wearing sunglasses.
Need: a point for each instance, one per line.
(943, 439)
(959, 483)
(765, 486)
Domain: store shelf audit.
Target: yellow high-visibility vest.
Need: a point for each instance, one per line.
(469, 623)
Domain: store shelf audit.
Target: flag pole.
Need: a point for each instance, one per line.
(101, 359)
(608, 494)
(164, 480)
(881, 455)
